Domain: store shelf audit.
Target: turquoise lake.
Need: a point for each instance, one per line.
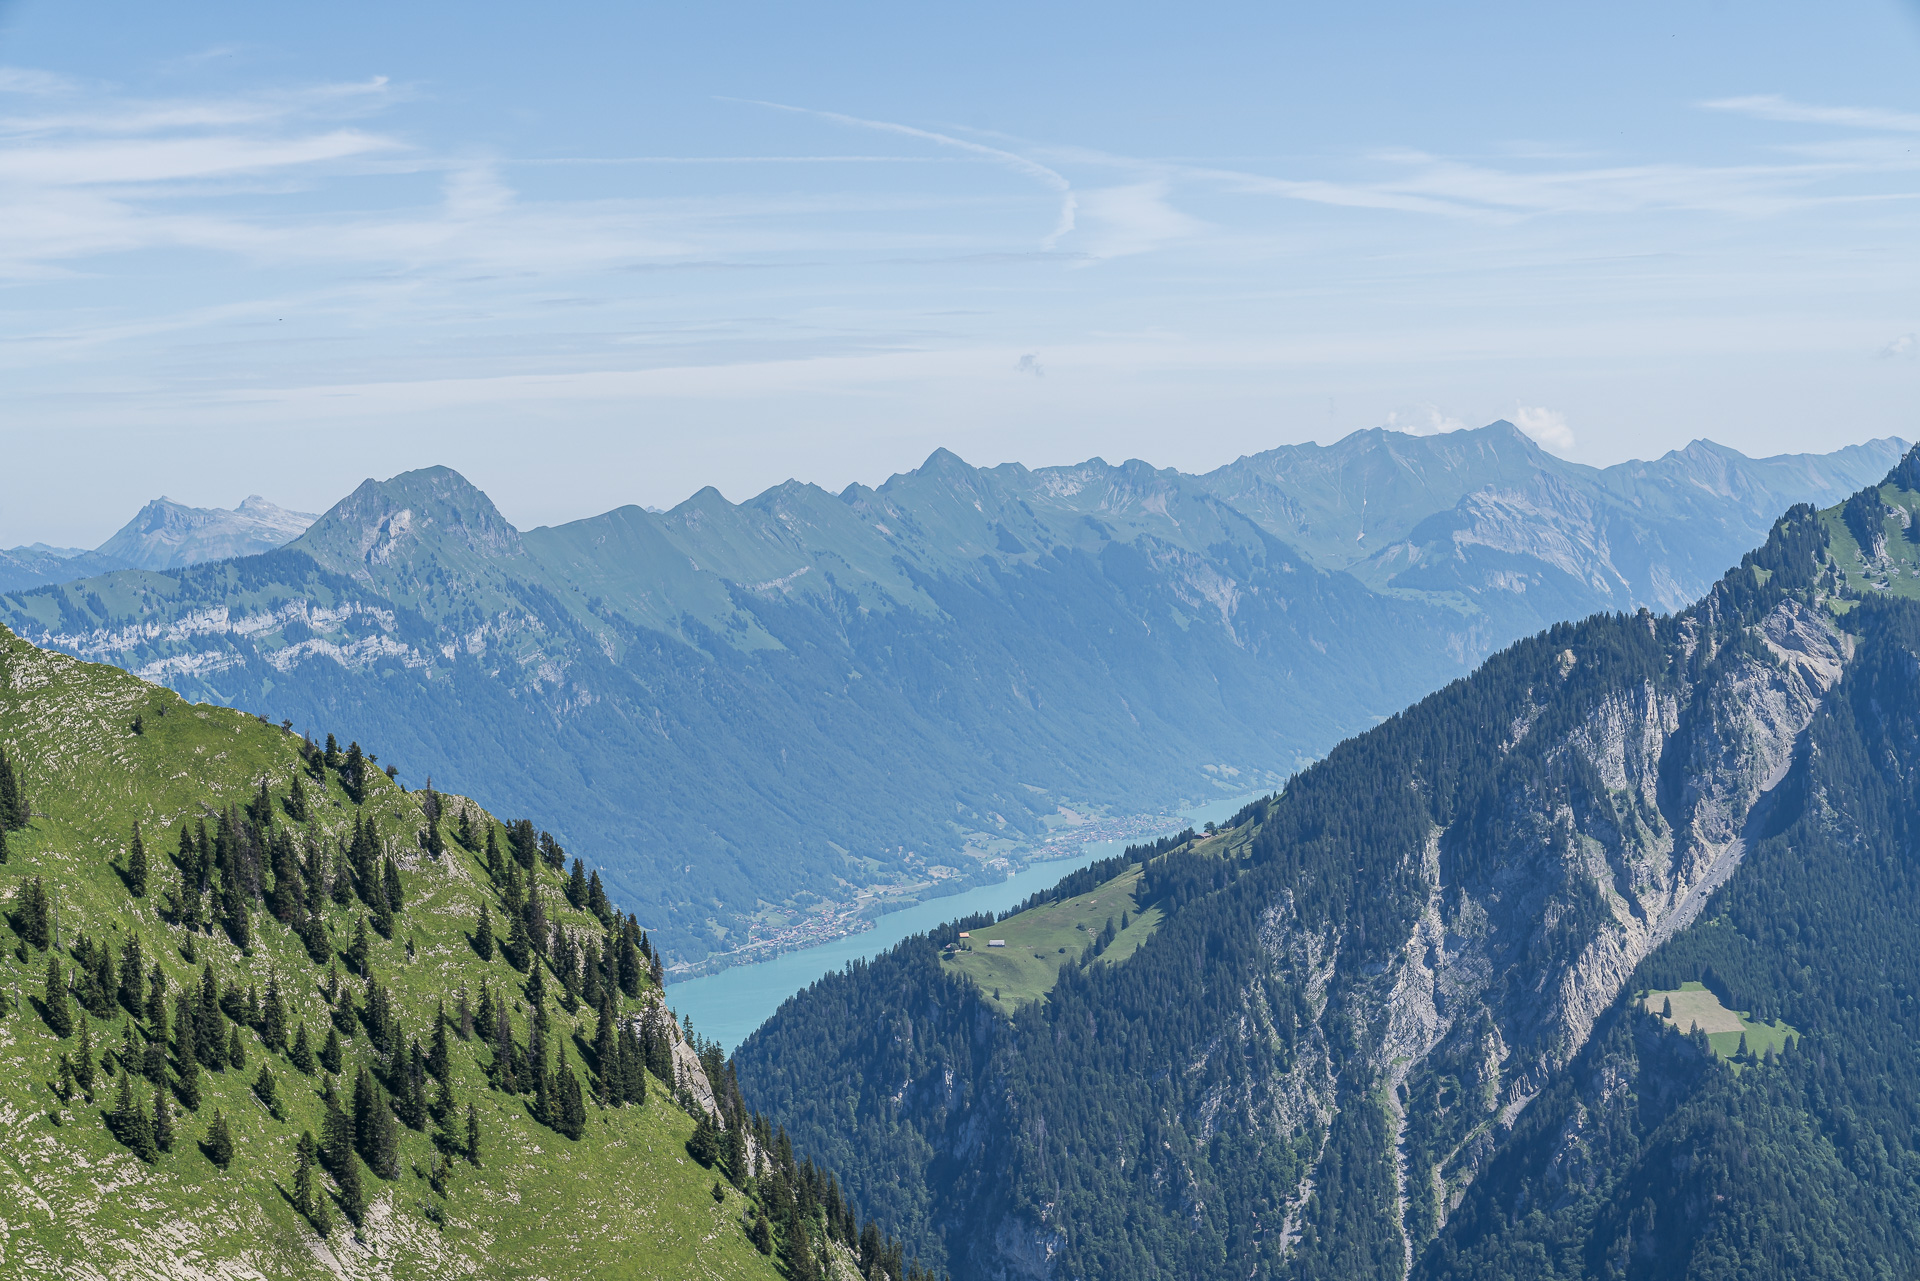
(728, 1006)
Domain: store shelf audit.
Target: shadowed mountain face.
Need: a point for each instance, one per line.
(1396, 1020)
(743, 710)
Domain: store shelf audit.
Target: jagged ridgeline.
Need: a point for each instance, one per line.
(1415, 1013)
(262, 1011)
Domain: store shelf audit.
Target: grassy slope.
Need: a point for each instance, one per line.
(1694, 1004)
(624, 1201)
(1043, 940)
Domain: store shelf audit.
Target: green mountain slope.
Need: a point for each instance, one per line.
(1392, 1019)
(98, 752)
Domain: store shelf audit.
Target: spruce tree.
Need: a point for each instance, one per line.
(330, 1051)
(518, 948)
(130, 1123)
(162, 1120)
(494, 868)
(483, 934)
(524, 844)
(132, 974)
(83, 1068)
(297, 801)
(273, 1015)
(473, 1135)
(361, 947)
(137, 865)
(569, 1107)
(153, 1060)
(186, 1052)
(483, 1017)
(236, 1049)
(577, 887)
(33, 914)
(704, 1145)
(382, 910)
(303, 1153)
(302, 1053)
(219, 1144)
(606, 1055)
(440, 1057)
(3, 845)
(59, 1012)
(157, 999)
(597, 901)
(762, 1233)
(353, 774)
(390, 878)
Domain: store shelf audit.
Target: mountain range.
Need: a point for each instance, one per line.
(1600, 962)
(750, 715)
(163, 535)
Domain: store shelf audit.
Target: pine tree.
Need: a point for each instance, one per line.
(33, 915)
(59, 1012)
(157, 999)
(3, 845)
(440, 1057)
(273, 1015)
(630, 958)
(704, 1146)
(361, 947)
(268, 1090)
(297, 801)
(796, 1251)
(494, 868)
(518, 948)
(186, 1052)
(302, 1053)
(162, 1120)
(331, 757)
(762, 1234)
(390, 878)
(570, 1108)
(382, 910)
(483, 1017)
(330, 1051)
(83, 1068)
(353, 774)
(153, 1060)
(219, 1144)
(130, 1124)
(473, 1135)
(597, 901)
(137, 865)
(133, 966)
(524, 844)
(577, 886)
(483, 935)
(236, 1050)
(606, 1056)
(303, 1174)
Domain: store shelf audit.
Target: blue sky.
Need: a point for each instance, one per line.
(609, 254)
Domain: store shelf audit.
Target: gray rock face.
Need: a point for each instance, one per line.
(167, 535)
(1492, 988)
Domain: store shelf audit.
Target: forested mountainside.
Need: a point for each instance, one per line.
(1412, 1012)
(746, 711)
(265, 1013)
(26, 567)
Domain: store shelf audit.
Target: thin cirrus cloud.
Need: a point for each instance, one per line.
(1769, 106)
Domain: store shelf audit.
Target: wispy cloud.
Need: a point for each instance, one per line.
(1013, 160)
(1905, 347)
(1770, 106)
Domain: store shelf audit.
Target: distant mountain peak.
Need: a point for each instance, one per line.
(429, 513)
(167, 535)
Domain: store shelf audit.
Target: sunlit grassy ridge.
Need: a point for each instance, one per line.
(624, 1200)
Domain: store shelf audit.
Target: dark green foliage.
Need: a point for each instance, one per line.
(577, 886)
(360, 948)
(524, 844)
(704, 1146)
(273, 1016)
(304, 1154)
(162, 1120)
(761, 1234)
(473, 1135)
(130, 1123)
(483, 934)
(353, 774)
(236, 1049)
(390, 882)
(301, 1056)
(597, 902)
(55, 1007)
(129, 991)
(330, 1052)
(569, 1108)
(137, 865)
(84, 1065)
(219, 1142)
(268, 1090)
(32, 914)
(186, 1051)
(14, 810)
(376, 1134)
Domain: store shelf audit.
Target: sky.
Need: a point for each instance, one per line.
(596, 254)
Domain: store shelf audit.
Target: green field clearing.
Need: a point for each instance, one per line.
(1693, 1006)
(1042, 940)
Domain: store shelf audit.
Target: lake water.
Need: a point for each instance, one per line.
(729, 1005)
